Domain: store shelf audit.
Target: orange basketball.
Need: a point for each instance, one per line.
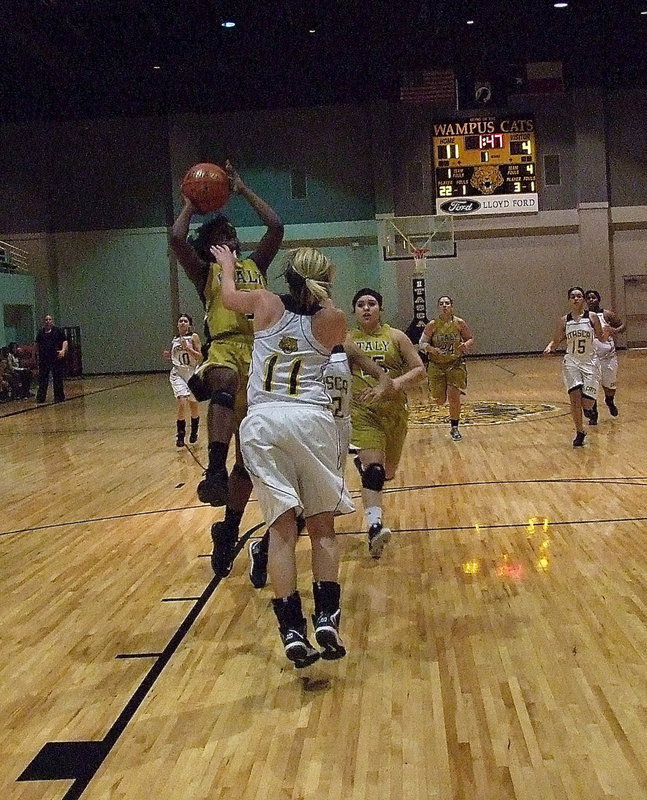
(206, 186)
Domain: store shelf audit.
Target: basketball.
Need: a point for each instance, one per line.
(206, 186)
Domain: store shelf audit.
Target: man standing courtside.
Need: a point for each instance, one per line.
(51, 343)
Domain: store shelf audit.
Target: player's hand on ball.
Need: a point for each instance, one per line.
(189, 205)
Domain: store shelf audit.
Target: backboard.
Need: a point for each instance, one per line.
(413, 238)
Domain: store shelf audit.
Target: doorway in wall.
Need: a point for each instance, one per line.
(635, 305)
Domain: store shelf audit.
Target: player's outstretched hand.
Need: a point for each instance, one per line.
(223, 255)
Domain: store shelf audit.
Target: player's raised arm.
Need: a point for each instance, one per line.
(269, 245)
(196, 270)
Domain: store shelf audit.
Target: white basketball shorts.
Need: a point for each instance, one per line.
(291, 452)
(179, 377)
(584, 375)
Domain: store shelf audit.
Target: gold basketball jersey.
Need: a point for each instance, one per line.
(221, 322)
(447, 338)
(382, 348)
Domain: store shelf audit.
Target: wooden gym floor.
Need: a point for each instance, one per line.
(497, 651)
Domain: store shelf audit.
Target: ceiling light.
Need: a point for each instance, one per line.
(312, 30)
(560, 5)
(228, 23)
(643, 13)
(157, 67)
(470, 21)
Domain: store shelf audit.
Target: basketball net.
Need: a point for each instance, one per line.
(419, 260)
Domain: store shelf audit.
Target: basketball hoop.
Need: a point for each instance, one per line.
(419, 260)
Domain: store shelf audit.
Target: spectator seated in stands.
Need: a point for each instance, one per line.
(5, 372)
(20, 375)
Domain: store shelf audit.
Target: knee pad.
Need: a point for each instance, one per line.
(199, 388)
(373, 477)
(240, 471)
(223, 398)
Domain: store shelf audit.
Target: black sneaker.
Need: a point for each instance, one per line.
(327, 635)
(224, 549)
(179, 442)
(455, 433)
(257, 564)
(593, 417)
(378, 537)
(212, 488)
(578, 441)
(613, 409)
(193, 437)
(298, 649)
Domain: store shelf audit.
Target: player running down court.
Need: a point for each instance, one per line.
(337, 379)
(289, 440)
(580, 369)
(606, 352)
(446, 340)
(185, 356)
(380, 427)
(222, 377)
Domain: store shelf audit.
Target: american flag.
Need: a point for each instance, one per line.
(429, 86)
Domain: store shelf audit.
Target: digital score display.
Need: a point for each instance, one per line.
(485, 165)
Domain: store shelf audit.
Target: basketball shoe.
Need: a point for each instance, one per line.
(378, 537)
(613, 409)
(212, 488)
(293, 631)
(578, 441)
(224, 541)
(257, 564)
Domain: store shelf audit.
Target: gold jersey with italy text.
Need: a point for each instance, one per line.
(220, 321)
(447, 338)
(381, 346)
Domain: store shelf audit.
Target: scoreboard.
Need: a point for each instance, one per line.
(485, 165)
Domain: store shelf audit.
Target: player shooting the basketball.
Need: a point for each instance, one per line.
(222, 377)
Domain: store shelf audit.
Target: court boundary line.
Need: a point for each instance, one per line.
(625, 481)
(103, 747)
(48, 404)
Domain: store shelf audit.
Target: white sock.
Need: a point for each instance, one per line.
(373, 515)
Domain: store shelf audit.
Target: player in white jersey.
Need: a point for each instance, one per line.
(184, 356)
(289, 440)
(337, 377)
(606, 352)
(580, 369)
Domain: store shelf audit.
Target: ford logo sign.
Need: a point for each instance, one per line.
(460, 206)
